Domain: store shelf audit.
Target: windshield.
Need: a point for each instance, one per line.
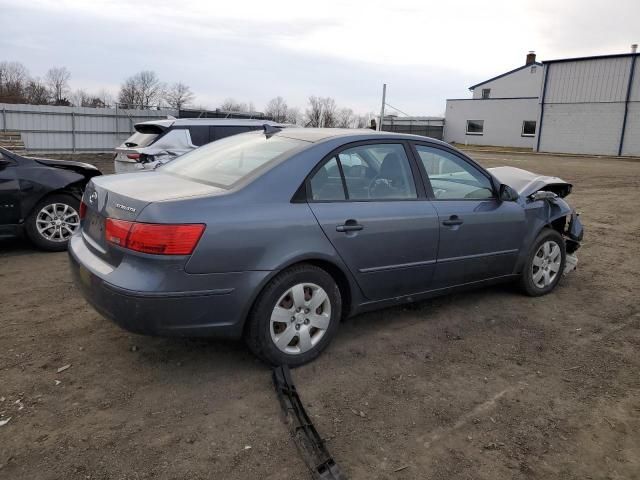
(227, 161)
(140, 140)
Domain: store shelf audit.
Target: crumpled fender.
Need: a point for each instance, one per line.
(541, 214)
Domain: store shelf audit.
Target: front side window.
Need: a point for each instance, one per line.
(528, 128)
(475, 127)
(451, 177)
(486, 92)
(231, 159)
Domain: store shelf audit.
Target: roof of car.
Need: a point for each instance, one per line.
(236, 122)
(319, 134)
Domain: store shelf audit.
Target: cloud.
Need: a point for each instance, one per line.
(253, 51)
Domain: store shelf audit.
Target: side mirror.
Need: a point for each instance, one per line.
(508, 194)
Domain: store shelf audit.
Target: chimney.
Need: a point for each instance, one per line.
(634, 48)
(531, 57)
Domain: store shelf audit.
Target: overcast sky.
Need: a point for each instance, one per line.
(255, 50)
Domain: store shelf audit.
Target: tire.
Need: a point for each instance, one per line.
(63, 209)
(544, 266)
(278, 333)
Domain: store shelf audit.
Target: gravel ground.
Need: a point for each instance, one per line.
(485, 385)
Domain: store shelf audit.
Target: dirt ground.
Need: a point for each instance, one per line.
(484, 385)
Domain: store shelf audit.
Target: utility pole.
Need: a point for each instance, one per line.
(384, 99)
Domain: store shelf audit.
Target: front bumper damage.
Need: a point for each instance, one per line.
(572, 237)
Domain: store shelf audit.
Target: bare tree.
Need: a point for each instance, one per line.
(36, 92)
(79, 98)
(13, 82)
(230, 105)
(149, 88)
(314, 112)
(322, 112)
(345, 118)
(277, 109)
(294, 116)
(128, 95)
(329, 115)
(142, 90)
(58, 81)
(105, 96)
(178, 95)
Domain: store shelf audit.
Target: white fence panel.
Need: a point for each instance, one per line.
(46, 128)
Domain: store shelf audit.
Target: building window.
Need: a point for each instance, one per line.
(486, 92)
(529, 128)
(475, 127)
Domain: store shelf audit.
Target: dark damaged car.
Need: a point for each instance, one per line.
(40, 197)
(277, 236)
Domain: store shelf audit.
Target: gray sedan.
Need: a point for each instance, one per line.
(277, 236)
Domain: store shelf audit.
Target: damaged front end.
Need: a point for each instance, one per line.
(543, 199)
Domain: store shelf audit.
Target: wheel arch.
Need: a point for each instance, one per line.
(348, 288)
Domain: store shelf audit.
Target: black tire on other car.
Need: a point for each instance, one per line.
(47, 240)
(287, 307)
(545, 264)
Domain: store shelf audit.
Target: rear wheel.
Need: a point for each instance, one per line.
(295, 317)
(52, 222)
(545, 264)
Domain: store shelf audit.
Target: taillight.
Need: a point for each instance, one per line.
(133, 156)
(83, 210)
(161, 239)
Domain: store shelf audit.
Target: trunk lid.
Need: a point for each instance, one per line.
(125, 196)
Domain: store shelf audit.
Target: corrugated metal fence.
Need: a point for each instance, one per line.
(426, 126)
(46, 128)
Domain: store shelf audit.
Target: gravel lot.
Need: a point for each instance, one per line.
(484, 385)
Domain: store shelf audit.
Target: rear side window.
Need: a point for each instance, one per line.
(199, 135)
(326, 183)
(370, 172)
(216, 133)
(230, 160)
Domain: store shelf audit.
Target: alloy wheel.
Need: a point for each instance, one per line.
(546, 264)
(300, 318)
(56, 222)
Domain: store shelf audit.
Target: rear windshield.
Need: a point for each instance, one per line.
(227, 161)
(140, 140)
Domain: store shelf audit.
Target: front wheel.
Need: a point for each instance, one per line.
(545, 264)
(52, 222)
(295, 316)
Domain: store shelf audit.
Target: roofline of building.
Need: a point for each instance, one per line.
(593, 57)
(505, 74)
(485, 99)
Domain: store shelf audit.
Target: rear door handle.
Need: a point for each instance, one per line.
(453, 221)
(349, 226)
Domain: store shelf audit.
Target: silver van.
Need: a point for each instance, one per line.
(159, 141)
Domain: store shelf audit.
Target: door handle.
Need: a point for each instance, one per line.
(453, 221)
(349, 226)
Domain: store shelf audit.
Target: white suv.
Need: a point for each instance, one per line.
(159, 141)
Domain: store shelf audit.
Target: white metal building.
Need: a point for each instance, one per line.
(503, 110)
(587, 105)
(591, 105)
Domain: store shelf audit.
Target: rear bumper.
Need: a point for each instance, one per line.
(216, 311)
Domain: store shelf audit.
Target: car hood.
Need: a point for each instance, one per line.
(527, 183)
(66, 164)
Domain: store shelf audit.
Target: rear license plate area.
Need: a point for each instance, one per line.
(94, 226)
